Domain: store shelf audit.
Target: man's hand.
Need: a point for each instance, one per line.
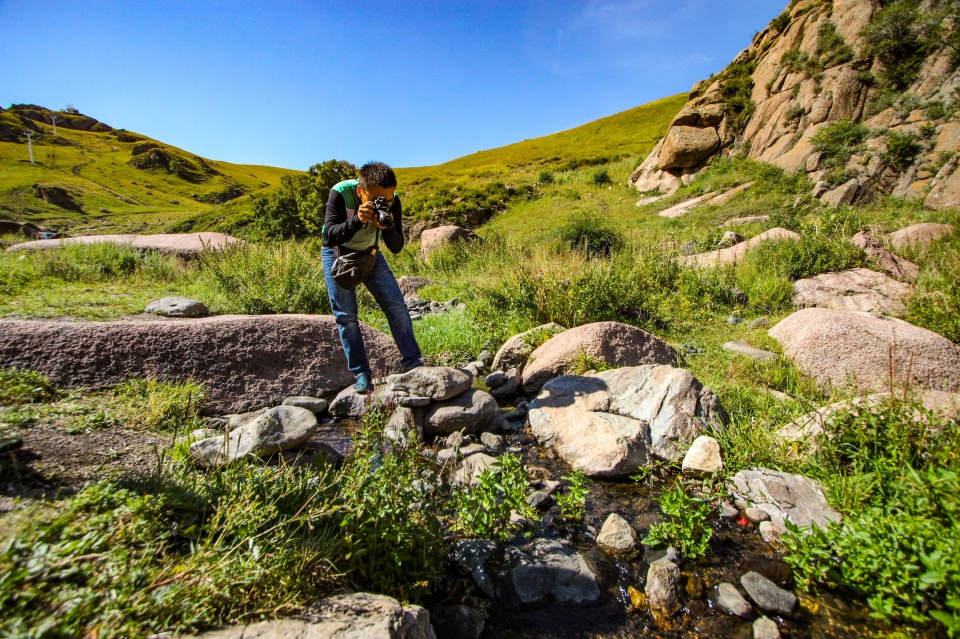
(368, 213)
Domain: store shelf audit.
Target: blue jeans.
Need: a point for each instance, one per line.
(343, 301)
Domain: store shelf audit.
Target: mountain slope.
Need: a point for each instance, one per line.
(90, 177)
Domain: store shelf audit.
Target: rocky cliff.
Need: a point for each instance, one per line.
(860, 94)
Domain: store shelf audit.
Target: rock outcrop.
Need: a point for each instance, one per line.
(736, 253)
(434, 239)
(181, 244)
(858, 289)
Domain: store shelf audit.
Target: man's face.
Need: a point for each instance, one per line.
(375, 191)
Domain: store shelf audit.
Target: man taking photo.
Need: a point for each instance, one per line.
(360, 213)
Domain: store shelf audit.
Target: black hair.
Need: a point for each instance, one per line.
(377, 173)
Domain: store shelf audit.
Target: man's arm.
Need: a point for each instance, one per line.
(337, 227)
(393, 237)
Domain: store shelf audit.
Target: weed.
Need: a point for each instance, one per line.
(483, 508)
(573, 500)
(24, 387)
(583, 363)
(686, 526)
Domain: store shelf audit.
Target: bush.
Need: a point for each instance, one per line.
(781, 22)
(588, 233)
(483, 509)
(832, 49)
(839, 141)
(736, 89)
(900, 39)
(546, 177)
(600, 177)
(686, 527)
(902, 149)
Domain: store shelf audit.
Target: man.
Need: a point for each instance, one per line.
(351, 224)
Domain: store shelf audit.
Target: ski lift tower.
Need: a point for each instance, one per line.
(29, 135)
(54, 118)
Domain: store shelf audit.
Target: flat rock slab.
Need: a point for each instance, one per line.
(546, 570)
(851, 349)
(742, 348)
(606, 423)
(182, 244)
(347, 616)
(857, 289)
(738, 252)
(728, 599)
(276, 430)
(436, 382)
(177, 307)
(749, 219)
(245, 361)
(783, 496)
(679, 210)
(612, 343)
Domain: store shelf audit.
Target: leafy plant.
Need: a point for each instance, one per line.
(686, 526)
(838, 141)
(600, 177)
(902, 149)
(24, 387)
(483, 509)
(583, 363)
(590, 234)
(573, 500)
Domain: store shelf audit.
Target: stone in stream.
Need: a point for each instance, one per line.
(765, 628)
(471, 555)
(278, 429)
(493, 442)
(458, 622)
(703, 458)
(653, 555)
(606, 423)
(767, 595)
(663, 587)
(313, 404)
(756, 515)
(728, 599)
(177, 307)
(618, 537)
(546, 569)
(472, 468)
(783, 496)
(771, 531)
(539, 500)
(495, 379)
(727, 511)
(472, 411)
(358, 614)
(509, 386)
(439, 383)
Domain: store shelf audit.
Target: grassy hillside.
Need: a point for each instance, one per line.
(110, 181)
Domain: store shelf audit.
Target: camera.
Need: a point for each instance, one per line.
(384, 218)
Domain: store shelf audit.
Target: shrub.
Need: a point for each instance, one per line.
(781, 22)
(545, 177)
(483, 509)
(736, 89)
(899, 38)
(600, 177)
(839, 141)
(832, 49)
(686, 527)
(795, 112)
(590, 234)
(902, 149)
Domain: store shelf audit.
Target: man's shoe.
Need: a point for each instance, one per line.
(363, 383)
(407, 369)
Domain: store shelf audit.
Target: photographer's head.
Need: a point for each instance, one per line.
(376, 179)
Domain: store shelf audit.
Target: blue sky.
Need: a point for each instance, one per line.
(294, 83)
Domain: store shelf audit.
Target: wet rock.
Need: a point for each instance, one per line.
(618, 537)
(727, 598)
(756, 515)
(663, 587)
(493, 442)
(839, 348)
(472, 411)
(602, 423)
(613, 343)
(694, 586)
(458, 622)
(771, 531)
(767, 595)
(745, 349)
(495, 379)
(857, 289)
(550, 486)
(473, 449)
(278, 429)
(703, 458)
(509, 386)
(471, 555)
(765, 628)
(653, 555)
(783, 496)
(350, 615)
(539, 500)
(177, 307)
(776, 570)
(516, 350)
(313, 404)
(439, 383)
(547, 569)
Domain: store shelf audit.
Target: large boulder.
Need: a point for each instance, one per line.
(276, 430)
(783, 496)
(245, 361)
(843, 348)
(857, 289)
(736, 253)
(687, 146)
(516, 350)
(182, 244)
(473, 411)
(437, 238)
(546, 570)
(607, 423)
(610, 343)
(345, 616)
(918, 235)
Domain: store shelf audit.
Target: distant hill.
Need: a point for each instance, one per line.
(90, 177)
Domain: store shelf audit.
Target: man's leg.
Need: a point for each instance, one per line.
(343, 303)
(383, 285)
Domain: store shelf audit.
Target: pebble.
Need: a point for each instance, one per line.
(539, 500)
(765, 628)
(728, 599)
(734, 320)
